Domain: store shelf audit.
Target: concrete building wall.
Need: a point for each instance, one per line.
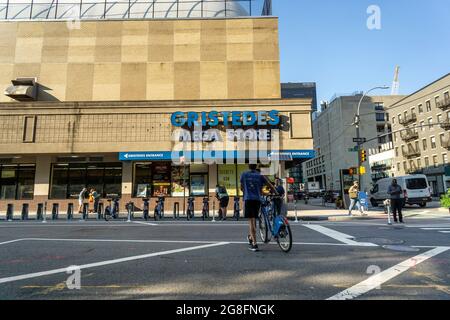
(333, 137)
(144, 59)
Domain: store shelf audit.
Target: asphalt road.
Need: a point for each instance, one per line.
(205, 260)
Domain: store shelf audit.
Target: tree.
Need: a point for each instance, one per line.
(445, 200)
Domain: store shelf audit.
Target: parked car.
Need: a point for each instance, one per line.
(416, 190)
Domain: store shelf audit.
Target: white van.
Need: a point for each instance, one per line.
(416, 190)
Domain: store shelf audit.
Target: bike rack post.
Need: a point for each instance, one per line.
(214, 211)
(10, 212)
(295, 207)
(44, 220)
(70, 211)
(25, 211)
(39, 211)
(130, 207)
(100, 207)
(55, 211)
(176, 211)
(85, 214)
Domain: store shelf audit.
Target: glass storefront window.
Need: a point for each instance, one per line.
(69, 179)
(180, 176)
(142, 180)
(17, 182)
(161, 179)
(227, 174)
(199, 184)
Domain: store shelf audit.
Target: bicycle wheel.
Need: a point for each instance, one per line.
(284, 238)
(263, 228)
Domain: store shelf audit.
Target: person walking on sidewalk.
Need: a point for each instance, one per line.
(395, 192)
(353, 192)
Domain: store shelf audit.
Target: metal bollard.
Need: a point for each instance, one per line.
(10, 212)
(70, 211)
(130, 208)
(100, 210)
(40, 211)
(85, 214)
(295, 207)
(387, 207)
(176, 211)
(55, 211)
(25, 211)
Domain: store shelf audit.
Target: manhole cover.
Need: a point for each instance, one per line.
(381, 241)
(400, 248)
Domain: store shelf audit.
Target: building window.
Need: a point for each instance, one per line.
(430, 124)
(447, 96)
(424, 144)
(439, 118)
(441, 139)
(428, 104)
(427, 162)
(396, 152)
(433, 142)
(393, 120)
(399, 118)
(17, 182)
(444, 158)
(420, 107)
(422, 125)
(436, 100)
(435, 161)
(417, 145)
(398, 167)
(405, 166)
(419, 163)
(413, 111)
(69, 179)
(380, 117)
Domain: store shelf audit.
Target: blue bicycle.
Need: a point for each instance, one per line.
(276, 226)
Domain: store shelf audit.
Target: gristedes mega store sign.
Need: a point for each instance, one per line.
(218, 137)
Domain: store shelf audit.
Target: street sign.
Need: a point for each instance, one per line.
(360, 140)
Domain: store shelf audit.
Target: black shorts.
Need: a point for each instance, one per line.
(251, 209)
(224, 202)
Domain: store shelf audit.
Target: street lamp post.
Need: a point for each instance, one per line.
(357, 123)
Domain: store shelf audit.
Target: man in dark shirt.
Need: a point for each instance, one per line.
(395, 192)
(252, 183)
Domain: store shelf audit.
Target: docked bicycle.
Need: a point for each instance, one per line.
(159, 208)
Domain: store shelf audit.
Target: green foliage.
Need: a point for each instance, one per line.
(445, 200)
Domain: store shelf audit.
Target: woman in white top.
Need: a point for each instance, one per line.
(81, 200)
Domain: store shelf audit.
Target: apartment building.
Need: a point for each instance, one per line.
(421, 128)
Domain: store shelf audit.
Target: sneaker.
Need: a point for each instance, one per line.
(254, 248)
(250, 242)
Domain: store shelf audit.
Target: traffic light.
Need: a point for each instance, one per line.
(363, 156)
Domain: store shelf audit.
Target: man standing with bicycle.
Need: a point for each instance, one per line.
(252, 183)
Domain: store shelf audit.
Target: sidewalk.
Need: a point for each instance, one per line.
(308, 212)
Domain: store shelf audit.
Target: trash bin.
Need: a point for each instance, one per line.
(25, 211)
(70, 211)
(55, 211)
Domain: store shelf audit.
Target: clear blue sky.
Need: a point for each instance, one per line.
(327, 41)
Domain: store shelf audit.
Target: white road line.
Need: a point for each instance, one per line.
(378, 279)
(11, 241)
(108, 262)
(342, 237)
(145, 223)
(435, 229)
(444, 231)
(178, 241)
